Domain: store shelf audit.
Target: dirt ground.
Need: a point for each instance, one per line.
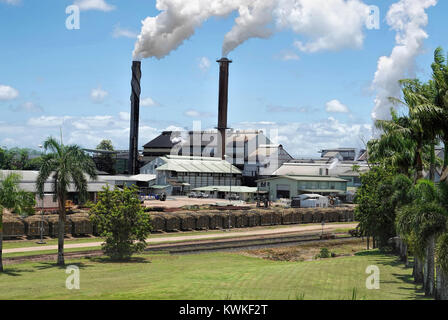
(178, 202)
(308, 252)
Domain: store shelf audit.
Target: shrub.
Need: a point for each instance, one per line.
(122, 222)
(324, 253)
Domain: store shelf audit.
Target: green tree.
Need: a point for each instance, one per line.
(14, 199)
(421, 222)
(439, 110)
(106, 161)
(392, 149)
(122, 221)
(411, 132)
(375, 208)
(66, 166)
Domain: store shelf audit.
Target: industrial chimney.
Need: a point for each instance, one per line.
(135, 114)
(223, 101)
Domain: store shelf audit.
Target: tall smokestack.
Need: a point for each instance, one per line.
(135, 114)
(223, 101)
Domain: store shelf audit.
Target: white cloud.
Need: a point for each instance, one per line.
(8, 93)
(125, 116)
(204, 64)
(148, 102)
(277, 109)
(28, 107)
(100, 5)
(304, 139)
(407, 18)
(335, 106)
(85, 131)
(290, 56)
(121, 32)
(47, 121)
(86, 123)
(13, 2)
(98, 95)
(192, 113)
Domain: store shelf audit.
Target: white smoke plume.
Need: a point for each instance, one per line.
(253, 22)
(329, 24)
(326, 24)
(407, 18)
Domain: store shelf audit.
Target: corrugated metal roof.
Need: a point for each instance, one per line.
(29, 178)
(197, 165)
(236, 189)
(144, 177)
(308, 178)
(340, 192)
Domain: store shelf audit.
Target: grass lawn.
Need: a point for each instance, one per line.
(211, 276)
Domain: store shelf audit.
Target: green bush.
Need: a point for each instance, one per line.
(324, 253)
(122, 222)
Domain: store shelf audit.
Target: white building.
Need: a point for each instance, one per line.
(248, 150)
(313, 201)
(178, 175)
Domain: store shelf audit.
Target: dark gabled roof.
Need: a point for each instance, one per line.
(162, 141)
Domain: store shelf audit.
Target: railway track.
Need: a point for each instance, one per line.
(197, 247)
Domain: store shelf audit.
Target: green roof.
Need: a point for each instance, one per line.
(197, 165)
(236, 189)
(307, 178)
(323, 191)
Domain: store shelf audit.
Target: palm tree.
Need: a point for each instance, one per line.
(420, 223)
(440, 79)
(66, 166)
(435, 108)
(409, 132)
(14, 199)
(429, 223)
(391, 148)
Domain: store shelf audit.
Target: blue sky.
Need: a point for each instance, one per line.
(80, 79)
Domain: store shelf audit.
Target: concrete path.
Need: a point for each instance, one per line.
(227, 235)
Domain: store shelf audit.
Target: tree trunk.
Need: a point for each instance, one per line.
(406, 255)
(442, 280)
(403, 249)
(429, 267)
(1, 240)
(419, 163)
(61, 230)
(418, 270)
(368, 243)
(432, 170)
(438, 289)
(445, 155)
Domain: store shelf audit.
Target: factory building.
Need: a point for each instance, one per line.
(288, 187)
(178, 175)
(343, 154)
(28, 181)
(248, 150)
(344, 170)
